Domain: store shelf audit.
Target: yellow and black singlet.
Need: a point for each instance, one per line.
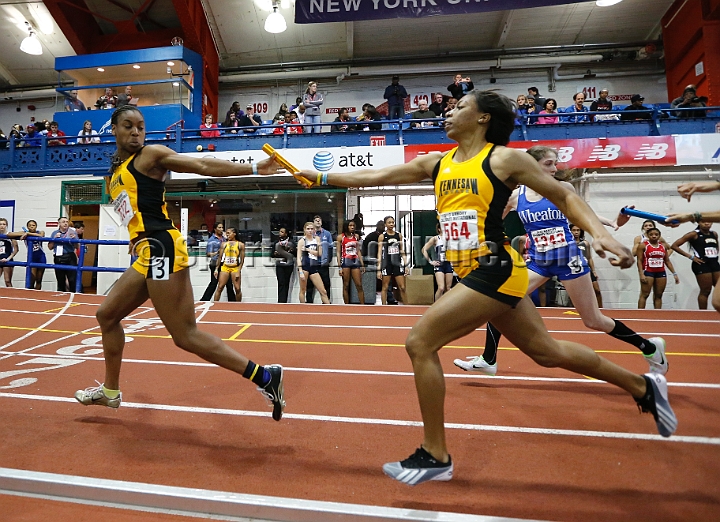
(139, 200)
(470, 204)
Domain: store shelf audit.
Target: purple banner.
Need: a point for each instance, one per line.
(320, 11)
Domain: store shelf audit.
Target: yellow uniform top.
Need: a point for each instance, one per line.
(470, 201)
(231, 254)
(139, 200)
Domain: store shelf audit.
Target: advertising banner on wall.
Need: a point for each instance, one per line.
(698, 149)
(321, 11)
(628, 152)
(335, 159)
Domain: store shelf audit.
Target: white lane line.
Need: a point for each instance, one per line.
(471, 376)
(69, 336)
(46, 323)
(206, 309)
(208, 504)
(687, 439)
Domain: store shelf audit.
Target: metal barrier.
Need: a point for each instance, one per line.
(79, 268)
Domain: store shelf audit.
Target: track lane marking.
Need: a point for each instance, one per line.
(686, 439)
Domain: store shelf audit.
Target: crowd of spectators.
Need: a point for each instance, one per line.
(304, 116)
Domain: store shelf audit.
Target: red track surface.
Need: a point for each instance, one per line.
(512, 474)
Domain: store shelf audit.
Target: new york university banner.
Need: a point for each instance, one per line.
(320, 11)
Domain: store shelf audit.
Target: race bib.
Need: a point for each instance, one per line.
(549, 239)
(460, 230)
(394, 248)
(160, 268)
(123, 208)
(350, 250)
(656, 262)
(231, 261)
(2, 248)
(711, 252)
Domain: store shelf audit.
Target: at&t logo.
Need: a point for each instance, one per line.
(323, 161)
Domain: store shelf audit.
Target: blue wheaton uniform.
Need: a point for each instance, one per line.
(553, 250)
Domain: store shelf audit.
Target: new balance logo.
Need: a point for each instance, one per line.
(655, 151)
(606, 153)
(565, 154)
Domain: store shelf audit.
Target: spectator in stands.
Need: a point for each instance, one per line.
(250, 119)
(369, 114)
(535, 93)
(87, 134)
(532, 109)
(579, 99)
(72, 103)
(603, 103)
(395, 95)
(55, 135)
(292, 118)
(687, 100)
(451, 103)
(550, 108)
(213, 132)
(423, 112)
(32, 138)
(279, 120)
(460, 86)
(300, 111)
(64, 254)
(312, 100)
(126, 97)
(521, 109)
(107, 100)
(16, 134)
(231, 123)
(636, 104)
(234, 109)
(344, 119)
(282, 111)
(41, 127)
(438, 105)
(284, 253)
(298, 102)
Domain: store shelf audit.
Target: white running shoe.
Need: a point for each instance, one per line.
(476, 364)
(96, 396)
(418, 468)
(657, 361)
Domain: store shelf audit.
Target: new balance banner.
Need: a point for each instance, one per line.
(632, 152)
(320, 11)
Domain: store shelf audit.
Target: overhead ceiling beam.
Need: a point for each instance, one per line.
(505, 24)
(8, 76)
(76, 22)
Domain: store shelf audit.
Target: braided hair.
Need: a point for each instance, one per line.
(116, 161)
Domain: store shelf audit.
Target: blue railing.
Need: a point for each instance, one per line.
(94, 158)
(79, 269)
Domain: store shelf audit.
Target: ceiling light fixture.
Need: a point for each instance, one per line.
(607, 3)
(100, 69)
(136, 66)
(275, 23)
(171, 64)
(31, 44)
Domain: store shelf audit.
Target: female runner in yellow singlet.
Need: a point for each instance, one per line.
(230, 266)
(473, 183)
(137, 187)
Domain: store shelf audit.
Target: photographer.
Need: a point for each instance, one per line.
(460, 86)
(689, 99)
(395, 94)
